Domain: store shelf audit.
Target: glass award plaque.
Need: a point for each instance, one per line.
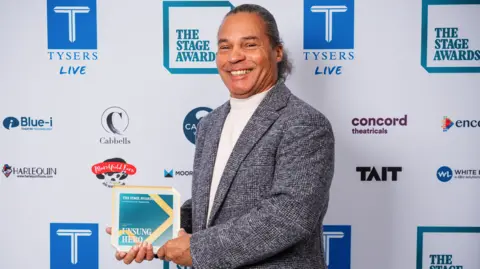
(142, 214)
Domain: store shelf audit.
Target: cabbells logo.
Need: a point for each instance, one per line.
(115, 121)
(114, 172)
(191, 120)
(450, 36)
(28, 123)
(72, 34)
(190, 36)
(328, 35)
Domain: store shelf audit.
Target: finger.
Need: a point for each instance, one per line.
(109, 230)
(131, 255)
(161, 253)
(149, 255)
(119, 255)
(141, 252)
(182, 232)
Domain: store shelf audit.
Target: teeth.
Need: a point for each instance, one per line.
(240, 72)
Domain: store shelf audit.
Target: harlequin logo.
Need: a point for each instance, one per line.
(7, 170)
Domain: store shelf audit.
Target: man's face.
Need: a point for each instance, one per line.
(246, 61)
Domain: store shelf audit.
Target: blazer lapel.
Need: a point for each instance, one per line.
(261, 120)
(210, 152)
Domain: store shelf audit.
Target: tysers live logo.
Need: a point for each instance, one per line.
(191, 121)
(451, 36)
(190, 36)
(447, 247)
(328, 35)
(115, 121)
(337, 246)
(28, 123)
(73, 246)
(72, 34)
(114, 172)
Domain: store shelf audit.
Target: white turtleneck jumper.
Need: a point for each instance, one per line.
(240, 112)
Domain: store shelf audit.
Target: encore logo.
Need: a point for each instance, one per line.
(377, 125)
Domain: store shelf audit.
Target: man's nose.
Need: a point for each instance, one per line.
(236, 55)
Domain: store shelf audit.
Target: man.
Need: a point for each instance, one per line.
(263, 163)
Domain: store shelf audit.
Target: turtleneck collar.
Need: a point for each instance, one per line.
(251, 102)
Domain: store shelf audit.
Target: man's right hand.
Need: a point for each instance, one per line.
(139, 252)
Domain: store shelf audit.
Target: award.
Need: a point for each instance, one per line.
(140, 214)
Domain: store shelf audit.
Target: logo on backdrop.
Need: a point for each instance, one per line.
(445, 174)
(28, 171)
(189, 47)
(191, 120)
(73, 246)
(28, 123)
(114, 172)
(447, 247)
(368, 173)
(72, 34)
(448, 123)
(328, 34)
(337, 246)
(450, 43)
(172, 173)
(115, 121)
(377, 125)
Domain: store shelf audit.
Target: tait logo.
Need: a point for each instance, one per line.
(28, 124)
(73, 246)
(337, 246)
(387, 173)
(328, 34)
(72, 33)
(191, 120)
(448, 123)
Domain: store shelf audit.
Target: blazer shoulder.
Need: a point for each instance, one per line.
(300, 113)
(211, 117)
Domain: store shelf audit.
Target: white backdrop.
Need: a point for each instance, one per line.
(120, 57)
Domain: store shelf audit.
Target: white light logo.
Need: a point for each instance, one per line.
(328, 10)
(71, 11)
(74, 234)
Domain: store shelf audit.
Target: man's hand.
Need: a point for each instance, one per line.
(139, 252)
(177, 250)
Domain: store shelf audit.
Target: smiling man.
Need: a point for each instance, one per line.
(263, 166)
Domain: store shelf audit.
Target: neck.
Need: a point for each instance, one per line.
(250, 94)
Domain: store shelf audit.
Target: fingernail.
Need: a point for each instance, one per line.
(135, 248)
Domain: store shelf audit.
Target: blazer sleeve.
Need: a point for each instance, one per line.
(294, 208)
(186, 216)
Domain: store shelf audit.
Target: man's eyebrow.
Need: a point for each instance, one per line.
(222, 40)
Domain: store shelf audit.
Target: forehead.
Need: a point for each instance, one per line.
(242, 24)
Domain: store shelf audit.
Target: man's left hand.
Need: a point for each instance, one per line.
(177, 250)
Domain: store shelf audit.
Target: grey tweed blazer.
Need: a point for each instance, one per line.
(273, 195)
